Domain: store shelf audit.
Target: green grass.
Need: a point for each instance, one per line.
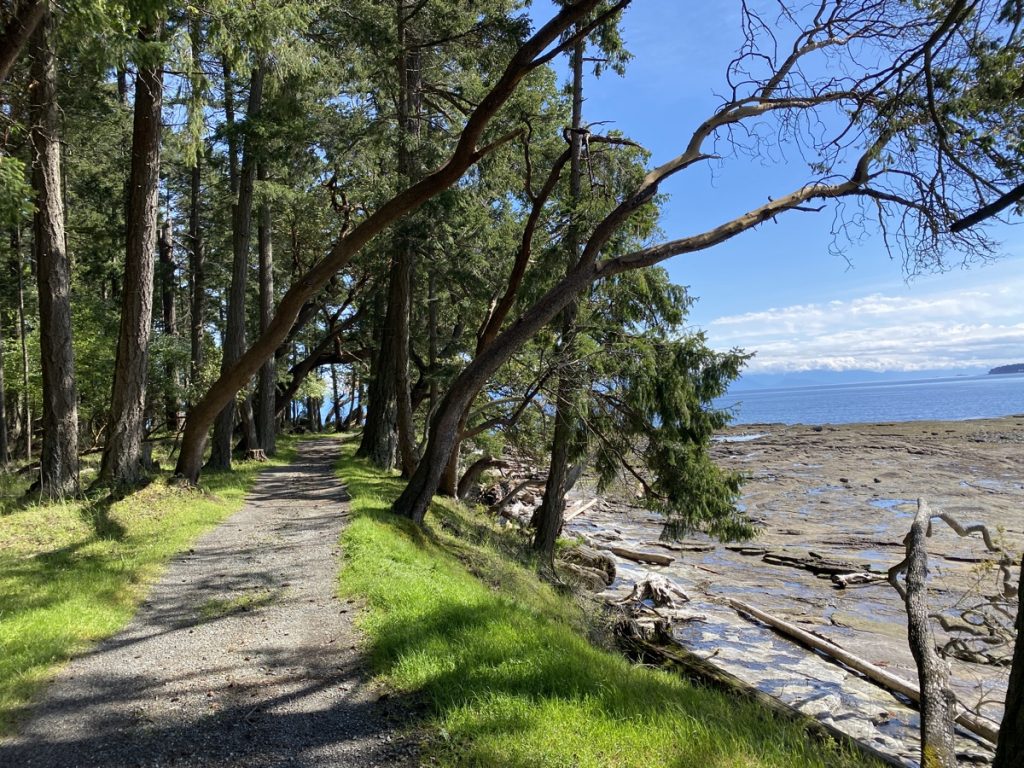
(500, 663)
(74, 573)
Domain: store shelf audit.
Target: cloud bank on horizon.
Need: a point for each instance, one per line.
(977, 327)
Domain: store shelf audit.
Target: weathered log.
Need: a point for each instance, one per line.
(975, 724)
(592, 579)
(663, 652)
(844, 580)
(637, 556)
(578, 511)
(589, 557)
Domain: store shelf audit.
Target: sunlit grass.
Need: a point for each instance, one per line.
(73, 573)
(502, 665)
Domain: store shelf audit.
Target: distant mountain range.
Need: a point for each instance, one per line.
(1015, 368)
(821, 378)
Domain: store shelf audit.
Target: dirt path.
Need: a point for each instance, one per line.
(241, 656)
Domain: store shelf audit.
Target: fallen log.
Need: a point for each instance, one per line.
(591, 558)
(977, 725)
(652, 558)
(663, 652)
(844, 580)
(579, 511)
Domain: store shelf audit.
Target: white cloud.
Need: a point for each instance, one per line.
(982, 326)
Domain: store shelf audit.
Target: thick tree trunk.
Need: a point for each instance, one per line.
(266, 416)
(122, 455)
(18, 30)
(415, 499)
(466, 153)
(234, 334)
(389, 418)
(335, 392)
(552, 508)
(1010, 751)
(59, 457)
(168, 277)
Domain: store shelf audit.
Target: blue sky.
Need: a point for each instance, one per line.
(778, 290)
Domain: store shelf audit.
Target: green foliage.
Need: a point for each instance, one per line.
(502, 666)
(15, 192)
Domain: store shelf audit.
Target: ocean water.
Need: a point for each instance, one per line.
(973, 397)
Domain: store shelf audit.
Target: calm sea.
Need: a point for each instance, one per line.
(973, 397)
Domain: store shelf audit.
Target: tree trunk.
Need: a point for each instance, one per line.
(466, 153)
(1010, 751)
(59, 456)
(197, 270)
(266, 417)
(17, 32)
(26, 400)
(122, 455)
(168, 276)
(197, 265)
(389, 419)
(5, 452)
(335, 392)
(234, 334)
(938, 704)
(415, 499)
(552, 508)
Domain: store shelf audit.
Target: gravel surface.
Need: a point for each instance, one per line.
(241, 656)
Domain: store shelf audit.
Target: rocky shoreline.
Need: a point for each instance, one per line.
(835, 494)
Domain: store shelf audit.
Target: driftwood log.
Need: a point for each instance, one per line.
(591, 559)
(637, 556)
(662, 651)
(979, 726)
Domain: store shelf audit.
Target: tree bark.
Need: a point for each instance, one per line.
(241, 228)
(1010, 750)
(5, 451)
(938, 704)
(197, 272)
(168, 276)
(266, 416)
(197, 257)
(552, 508)
(59, 456)
(26, 401)
(389, 417)
(122, 455)
(19, 29)
(533, 53)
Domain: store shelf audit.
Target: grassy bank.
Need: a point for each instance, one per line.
(501, 664)
(73, 573)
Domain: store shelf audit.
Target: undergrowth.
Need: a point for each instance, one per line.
(500, 663)
(73, 573)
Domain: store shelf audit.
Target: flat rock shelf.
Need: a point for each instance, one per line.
(833, 499)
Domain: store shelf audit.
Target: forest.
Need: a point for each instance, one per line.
(228, 221)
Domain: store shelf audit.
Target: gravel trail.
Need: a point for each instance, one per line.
(241, 656)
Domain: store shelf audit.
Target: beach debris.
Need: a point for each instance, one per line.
(591, 559)
(661, 593)
(637, 556)
(976, 724)
(844, 580)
